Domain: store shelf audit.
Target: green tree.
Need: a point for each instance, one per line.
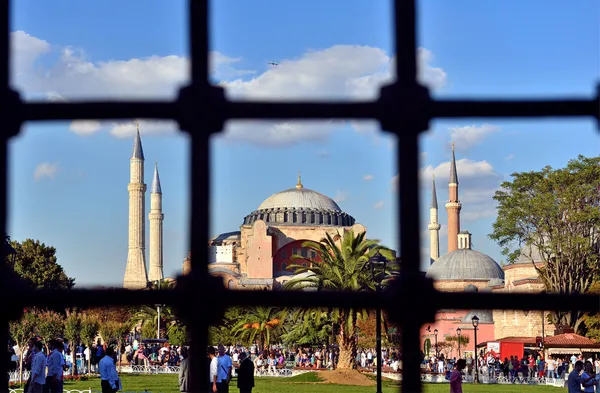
(592, 320)
(21, 331)
(73, 333)
(344, 266)
(89, 330)
(115, 332)
(554, 213)
(177, 335)
(307, 327)
(36, 263)
(259, 323)
(50, 325)
(455, 340)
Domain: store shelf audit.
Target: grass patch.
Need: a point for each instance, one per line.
(304, 383)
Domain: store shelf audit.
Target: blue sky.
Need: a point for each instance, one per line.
(69, 180)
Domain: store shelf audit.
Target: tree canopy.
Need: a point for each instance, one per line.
(37, 265)
(344, 266)
(551, 217)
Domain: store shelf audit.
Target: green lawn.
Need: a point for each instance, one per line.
(167, 383)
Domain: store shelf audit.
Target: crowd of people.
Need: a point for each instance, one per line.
(530, 367)
(47, 364)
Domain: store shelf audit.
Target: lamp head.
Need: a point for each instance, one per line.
(435, 332)
(475, 321)
(458, 331)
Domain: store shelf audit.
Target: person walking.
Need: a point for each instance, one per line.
(38, 369)
(108, 372)
(575, 381)
(456, 376)
(184, 376)
(54, 362)
(245, 381)
(214, 370)
(225, 366)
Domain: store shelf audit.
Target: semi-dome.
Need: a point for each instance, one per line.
(300, 206)
(465, 264)
(485, 316)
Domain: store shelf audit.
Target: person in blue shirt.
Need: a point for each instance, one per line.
(225, 366)
(108, 372)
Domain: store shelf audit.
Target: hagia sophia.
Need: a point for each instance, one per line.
(256, 255)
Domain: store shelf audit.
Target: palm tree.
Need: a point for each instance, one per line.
(344, 266)
(260, 323)
(147, 316)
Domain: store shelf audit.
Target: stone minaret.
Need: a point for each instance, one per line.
(434, 227)
(156, 217)
(453, 206)
(135, 272)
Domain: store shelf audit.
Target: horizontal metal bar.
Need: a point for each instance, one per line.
(247, 110)
(517, 108)
(92, 110)
(224, 298)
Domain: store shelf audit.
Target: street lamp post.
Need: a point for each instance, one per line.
(435, 332)
(458, 332)
(475, 322)
(158, 315)
(378, 276)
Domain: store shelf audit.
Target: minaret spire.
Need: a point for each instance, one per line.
(453, 206)
(138, 152)
(299, 184)
(135, 272)
(156, 218)
(434, 226)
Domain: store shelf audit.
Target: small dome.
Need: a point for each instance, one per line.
(485, 316)
(465, 264)
(299, 198)
(471, 288)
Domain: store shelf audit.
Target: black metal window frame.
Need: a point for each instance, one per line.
(404, 108)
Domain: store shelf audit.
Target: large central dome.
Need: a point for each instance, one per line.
(300, 206)
(299, 198)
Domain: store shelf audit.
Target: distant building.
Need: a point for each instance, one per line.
(258, 256)
(465, 269)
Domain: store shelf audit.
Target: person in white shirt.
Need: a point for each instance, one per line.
(214, 370)
(54, 362)
(108, 372)
(38, 369)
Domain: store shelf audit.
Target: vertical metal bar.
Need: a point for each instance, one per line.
(199, 186)
(199, 25)
(378, 346)
(5, 45)
(408, 164)
(5, 72)
(405, 25)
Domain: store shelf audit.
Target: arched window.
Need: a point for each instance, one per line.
(283, 266)
(230, 284)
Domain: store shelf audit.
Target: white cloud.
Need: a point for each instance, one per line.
(85, 127)
(478, 182)
(340, 196)
(466, 137)
(368, 177)
(509, 157)
(147, 127)
(378, 205)
(394, 183)
(342, 72)
(45, 169)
